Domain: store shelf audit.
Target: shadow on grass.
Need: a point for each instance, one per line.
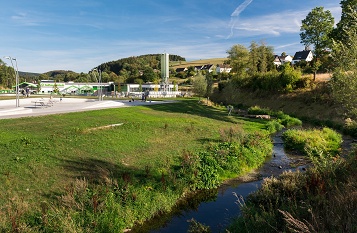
(99, 171)
(191, 106)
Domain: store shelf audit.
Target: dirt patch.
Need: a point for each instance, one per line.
(323, 77)
(102, 127)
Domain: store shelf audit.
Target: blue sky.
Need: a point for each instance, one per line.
(45, 35)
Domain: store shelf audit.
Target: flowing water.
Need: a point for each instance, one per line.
(215, 208)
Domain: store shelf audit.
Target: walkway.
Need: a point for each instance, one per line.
(28, 108)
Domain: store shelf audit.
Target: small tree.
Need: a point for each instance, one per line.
(348, 21)
(209, 80)
(55, 88)
(238, 57)
(200, 85)
(344, 80)
(315, 30)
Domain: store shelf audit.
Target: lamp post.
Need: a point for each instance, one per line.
(100, 97)
(16, 78)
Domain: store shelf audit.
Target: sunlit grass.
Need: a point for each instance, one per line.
(42, 157)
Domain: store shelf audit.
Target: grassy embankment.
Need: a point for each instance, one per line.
(312, 104)
(64, 173)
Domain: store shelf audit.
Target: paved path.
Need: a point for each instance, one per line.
(28, 108)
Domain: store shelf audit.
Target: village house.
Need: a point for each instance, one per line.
(305, 55)
(209, 67)
(280, 60)
(182, 69)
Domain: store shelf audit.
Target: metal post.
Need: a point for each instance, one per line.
(100, 85)
(99, 80)
(17, 85)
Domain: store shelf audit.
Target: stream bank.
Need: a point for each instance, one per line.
(215, 208)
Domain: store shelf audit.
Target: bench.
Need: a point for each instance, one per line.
(43, 103)
(40, 103)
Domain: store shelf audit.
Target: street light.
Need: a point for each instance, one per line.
(16, 78)
(100, 96)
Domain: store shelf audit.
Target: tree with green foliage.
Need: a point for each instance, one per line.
(315, 30)
(200, 85)
(149, 75)
(265, 58)
(238, 56)
(289, 77)
(7, 76)
(105, 77)
(253, 58)
(344, 80)
(209, 80)
(261, 58)
(348, 21)
(55, 88)
(190, 71)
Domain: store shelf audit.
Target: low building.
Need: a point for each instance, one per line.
(223, 68)
(109, 89)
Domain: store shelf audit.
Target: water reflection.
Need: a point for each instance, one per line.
(216, 214)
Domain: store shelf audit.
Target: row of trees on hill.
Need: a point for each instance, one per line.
(7, 77)
(145, 68)
(138, 69)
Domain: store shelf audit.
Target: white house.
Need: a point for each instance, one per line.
(280, 60)
(305, 55)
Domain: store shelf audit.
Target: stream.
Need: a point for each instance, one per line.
(215, 208)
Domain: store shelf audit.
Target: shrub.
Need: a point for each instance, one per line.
(273, 126)
(256, 110)
(303, 202)
(283, 118)
(205, 169)
(325, 142)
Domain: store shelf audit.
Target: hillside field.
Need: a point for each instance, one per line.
(200, 62)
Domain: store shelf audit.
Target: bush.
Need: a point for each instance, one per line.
(325, 142)
(242, 152)
(283, 118)
(303, 202)
(273, 126)
(256, 110)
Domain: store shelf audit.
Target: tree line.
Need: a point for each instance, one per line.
(136, 69)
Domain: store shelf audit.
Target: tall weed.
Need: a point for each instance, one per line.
(323, 199)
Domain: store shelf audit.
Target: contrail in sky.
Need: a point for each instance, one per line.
(236, 13)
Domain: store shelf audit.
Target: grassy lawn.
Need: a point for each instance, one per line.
(42, 157)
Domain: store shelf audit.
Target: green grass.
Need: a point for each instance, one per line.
(314, 142)
(63, 173)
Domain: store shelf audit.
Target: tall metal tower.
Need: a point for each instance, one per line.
(165, 70)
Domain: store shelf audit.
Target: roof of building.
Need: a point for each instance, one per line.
(207, 67)
(301, 55)
(180, 69)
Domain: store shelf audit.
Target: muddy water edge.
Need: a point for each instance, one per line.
(215, 208)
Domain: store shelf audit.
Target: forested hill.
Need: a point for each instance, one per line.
(135, 63)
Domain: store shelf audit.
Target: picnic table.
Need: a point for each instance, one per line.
(43, 103)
